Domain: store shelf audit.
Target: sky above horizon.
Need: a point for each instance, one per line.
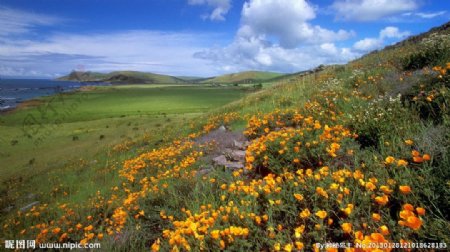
(50, 38)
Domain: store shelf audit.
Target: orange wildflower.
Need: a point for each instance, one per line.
(405, 189)
(417, 159)
(420, 211)
(382, 200)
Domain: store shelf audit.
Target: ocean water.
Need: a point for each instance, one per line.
(15, 91)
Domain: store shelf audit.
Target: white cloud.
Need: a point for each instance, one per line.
(13, 22)
(221, 8)
(287, 21)
(430, 15)
(151, 51)
(370, 44)
(425, 15)
(370, 10)
(276, 35)
(393, 32)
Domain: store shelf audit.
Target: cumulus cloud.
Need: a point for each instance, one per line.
(220, 8)
(287, 21)
(277, 35)
(370, 10)
(370, 44)
(393, 32)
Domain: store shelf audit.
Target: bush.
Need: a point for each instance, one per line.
(431, 52)
(431, 98)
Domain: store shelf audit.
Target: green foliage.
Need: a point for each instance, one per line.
(433, 51)
(431, 98)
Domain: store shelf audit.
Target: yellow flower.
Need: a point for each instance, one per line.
(409, 142)
(402, 162)
(288, 247)
(370, 186)
(346, 227)
(382, 200)
(305, 213)
(215, 234)
(321, 214)
(277, 246)
(389, 160)
(298, 196)
(384, 230)
(155, 246)
(376, 217)
(348, 210)
(299, 231)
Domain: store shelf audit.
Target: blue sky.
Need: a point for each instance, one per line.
(49, 38)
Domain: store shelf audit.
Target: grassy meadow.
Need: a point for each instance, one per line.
(61, 132)
(356, 153)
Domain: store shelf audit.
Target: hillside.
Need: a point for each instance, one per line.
(243, 77)
(352, 154)
(133, 77)
(122, 77)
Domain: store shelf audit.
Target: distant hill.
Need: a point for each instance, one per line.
(243, 77)
(134, 77)
(122, 77)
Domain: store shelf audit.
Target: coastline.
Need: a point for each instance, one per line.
(34, 101)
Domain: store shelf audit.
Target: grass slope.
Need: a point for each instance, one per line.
(123, 77)
(243, 77)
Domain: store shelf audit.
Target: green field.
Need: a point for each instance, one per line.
(68, 127)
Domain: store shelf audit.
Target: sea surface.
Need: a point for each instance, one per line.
(15, 91)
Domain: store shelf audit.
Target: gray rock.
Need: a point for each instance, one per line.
(220, 160)
(234, 165)
(238, 145)
(222, 128)
(223, 162)
(29, 206)
(238, 155)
